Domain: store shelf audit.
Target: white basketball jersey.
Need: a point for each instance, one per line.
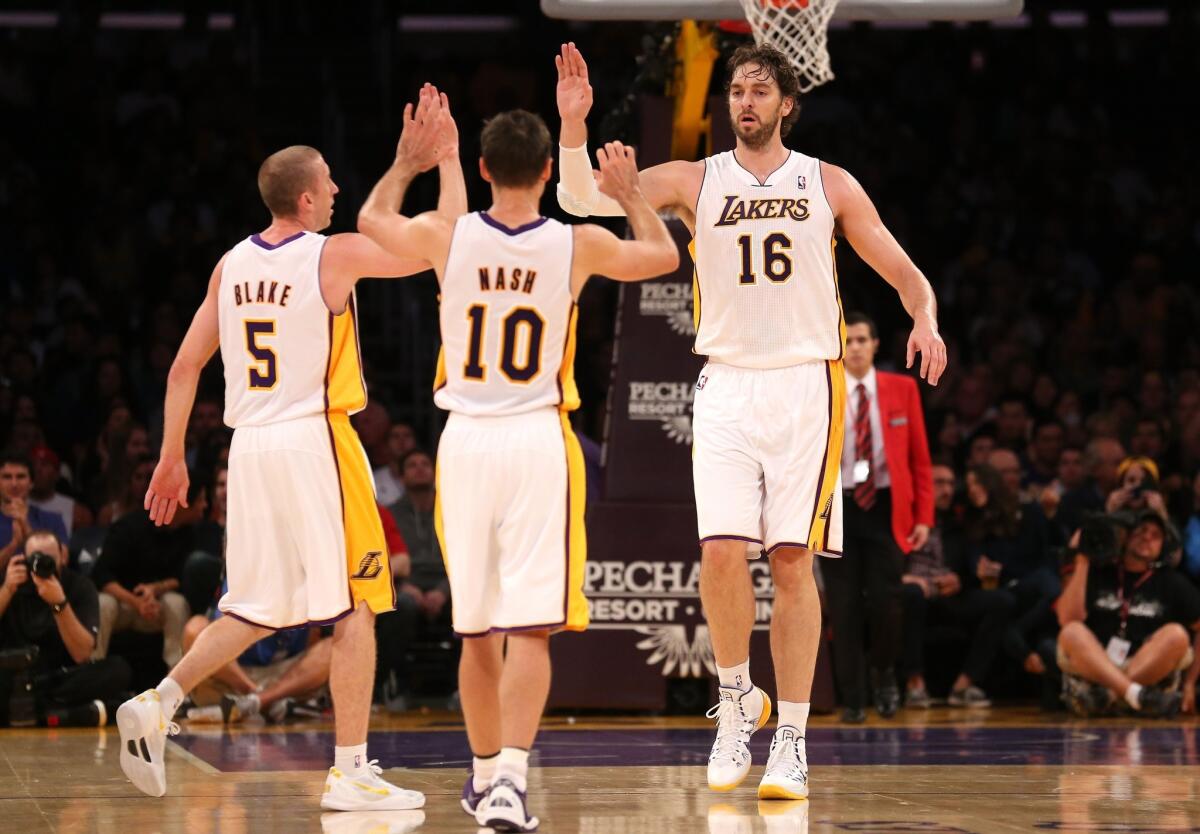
(766, 293)
(508, 318)
(285, 354)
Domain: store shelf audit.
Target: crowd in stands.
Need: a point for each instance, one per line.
(1047, 197)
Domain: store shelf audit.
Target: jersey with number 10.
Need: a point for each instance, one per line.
(285, 354)
(766, 293)
(507, 319)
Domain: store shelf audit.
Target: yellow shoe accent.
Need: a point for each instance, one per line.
(778, 792)
(727, 788)
(766, 711)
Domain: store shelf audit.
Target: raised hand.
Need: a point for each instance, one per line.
(926, 340)
(447, 132)
(574, 93)
(168, 490)
(418, 148)
(618, 174)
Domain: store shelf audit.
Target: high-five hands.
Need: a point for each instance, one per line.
(618, 174)
(429, 133)
(573, 92)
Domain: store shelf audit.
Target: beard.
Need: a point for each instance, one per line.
(757, 136)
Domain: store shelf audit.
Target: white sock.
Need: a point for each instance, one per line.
(483, 770)
(513, 764)
(351, 761)
(1133, 695)
(170, 696)
(793, 714)
(736, 677)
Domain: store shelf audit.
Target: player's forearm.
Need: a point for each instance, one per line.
(386, 197)
(577, 191)
(5, 598)
(661, 254)
(573, 133)
(452, 198)
(916, 294)
(181, 394)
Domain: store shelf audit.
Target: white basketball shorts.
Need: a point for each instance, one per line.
(765, 459)
(509, 515)
(304, 541)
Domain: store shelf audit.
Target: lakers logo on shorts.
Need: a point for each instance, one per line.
(825, 513)
(370, 566)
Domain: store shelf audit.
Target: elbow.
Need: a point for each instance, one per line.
(367, 221)
(667, 261)
(183, 371)
(571, 204)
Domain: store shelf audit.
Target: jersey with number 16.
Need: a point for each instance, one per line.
(286, 355)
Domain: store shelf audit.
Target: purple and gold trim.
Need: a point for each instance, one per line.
(496, 224)
(559, 626)
(305, 624)
(270, 247)
(730, 537)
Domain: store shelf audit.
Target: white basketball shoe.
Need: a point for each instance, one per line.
(786, 776)
(738, 715)
(372, 822)
(503, 808)
(144, 733)
(367, 792)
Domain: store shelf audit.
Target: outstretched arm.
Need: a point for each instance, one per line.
(663, 185)
(169, 484)
(652, 252)
(349, 257)
(860, 223)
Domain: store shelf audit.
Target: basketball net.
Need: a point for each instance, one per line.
(798, 29)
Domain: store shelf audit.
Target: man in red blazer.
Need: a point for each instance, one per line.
(888, 501)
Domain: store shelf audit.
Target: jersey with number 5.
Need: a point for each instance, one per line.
(765, 287)
(285, 354)
(507, 318)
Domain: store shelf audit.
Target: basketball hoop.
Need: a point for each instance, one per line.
(798, 29)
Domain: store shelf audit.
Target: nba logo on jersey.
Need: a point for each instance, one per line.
(801, 182)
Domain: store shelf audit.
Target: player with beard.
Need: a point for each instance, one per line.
(770, 402)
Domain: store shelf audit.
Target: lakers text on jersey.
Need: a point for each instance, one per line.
(766, 293)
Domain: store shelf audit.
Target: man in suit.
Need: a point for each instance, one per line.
(888, 501)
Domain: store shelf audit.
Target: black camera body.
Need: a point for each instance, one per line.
(42, 565)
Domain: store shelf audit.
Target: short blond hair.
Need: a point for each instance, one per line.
(284, 176)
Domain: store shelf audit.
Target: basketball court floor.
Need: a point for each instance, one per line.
(939, 771)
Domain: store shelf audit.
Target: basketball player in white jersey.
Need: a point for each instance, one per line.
(510, 471)
(305, 542)
(770, 402)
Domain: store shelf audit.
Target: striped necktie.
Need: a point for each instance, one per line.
(864, 493)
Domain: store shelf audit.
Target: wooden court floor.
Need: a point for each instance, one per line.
(938, 771)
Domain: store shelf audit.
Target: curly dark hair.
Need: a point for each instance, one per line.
(777, 66)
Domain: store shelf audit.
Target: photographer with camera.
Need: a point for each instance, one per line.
(1137, 489)
(1128, 622)
(45, 604)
